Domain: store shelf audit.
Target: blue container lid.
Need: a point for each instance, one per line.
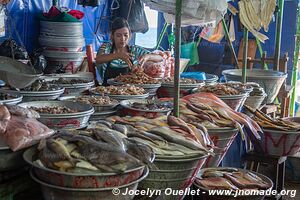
(193, 75)
(2, 83)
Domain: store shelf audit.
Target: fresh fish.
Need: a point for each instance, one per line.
(174, 137)
(173, 146)
(104, 122)
(105, 159)
(174, 121)
(60, 149)
(144, 125)
(157, 150)
(238, 179)
(63, 165)
(218, 183)
(121, 128)
(86, 165)
(22, 112)
(142, 152)
(139, 135)
(152, 136)
(108, 137)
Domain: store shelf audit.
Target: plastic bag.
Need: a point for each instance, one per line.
(38, 60)
(23, 132)
(10, 47)
(154, 69)
(133, 11)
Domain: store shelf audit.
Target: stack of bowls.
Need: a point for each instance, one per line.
(10, 99)
(63, 42)
(71, 186)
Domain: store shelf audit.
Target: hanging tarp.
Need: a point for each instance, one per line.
(25, 16)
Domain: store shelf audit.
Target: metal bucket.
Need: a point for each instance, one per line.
(64, 29)
(175, 172)
(235, 102)
(16, 98)
(151, 114)
(38, 95)
(222, 139)
(204, 192)
(270, 80)
(90, 180)
(167, 90)
(126, 97)
(255, 102)
(77, 88)
(63, 121)
(211, 79)
(10, 160)
(52, 192)
(280, 143)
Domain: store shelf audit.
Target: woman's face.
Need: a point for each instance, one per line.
(121, 37)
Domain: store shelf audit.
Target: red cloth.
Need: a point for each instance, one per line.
(76, 13)
(53, 12)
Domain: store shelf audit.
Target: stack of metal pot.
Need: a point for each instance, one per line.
(62, 43)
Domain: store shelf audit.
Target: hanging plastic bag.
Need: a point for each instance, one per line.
(2, 22)
(9, 47)
(214, 35)
(190, 51)
(133, 12)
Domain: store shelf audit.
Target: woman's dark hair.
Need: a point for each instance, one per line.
(118, 23)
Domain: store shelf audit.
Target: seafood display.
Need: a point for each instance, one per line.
(182, 80)
(19, 128)
(92, 150)
(231, 179)
(136, 78)
(96, 100)
(54, 110)
(166, 135)
(205, 109)
(69, 81)
(41, 85)
(151, 105)
(220, 89)
(267, 122)
(119, 90)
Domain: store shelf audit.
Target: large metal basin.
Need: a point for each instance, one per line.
(270, 80)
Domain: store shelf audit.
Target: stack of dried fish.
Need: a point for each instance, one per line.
(267, 122)
(41, 85)
(209, 111)
(231, 179)
(255, 14)
(169, 136)
(93, 150)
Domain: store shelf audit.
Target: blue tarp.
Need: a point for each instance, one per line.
(24, 14)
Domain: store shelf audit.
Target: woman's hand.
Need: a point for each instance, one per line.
(143, 59)
(126, 57)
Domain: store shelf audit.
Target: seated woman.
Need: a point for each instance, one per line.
(118, 57)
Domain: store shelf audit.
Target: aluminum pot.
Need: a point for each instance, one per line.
(89, 180)
(76, 120)
(52, 192)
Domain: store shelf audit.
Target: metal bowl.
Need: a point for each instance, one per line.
(211, 79)
(235, 102)
(98, 108)
(204, 192)
(89, 180)
(73, 89)
(129, 110)
(167, 89)
(150, 88)
(270, 80)
(38, 95)
(102, 115)
(51, 192)
(63, 121)
(16, 98)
